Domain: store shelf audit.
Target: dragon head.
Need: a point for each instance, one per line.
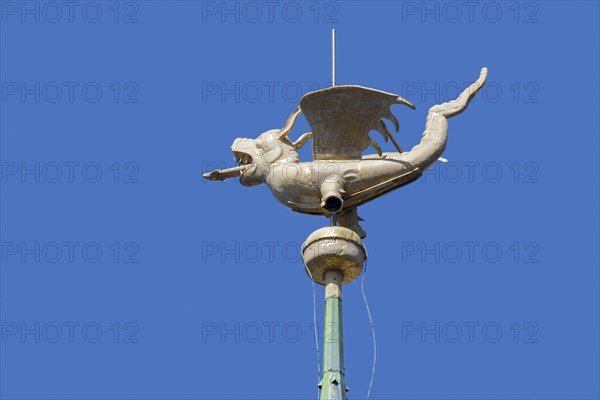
(255, 157)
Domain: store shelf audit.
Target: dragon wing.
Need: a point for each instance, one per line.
(341, 118)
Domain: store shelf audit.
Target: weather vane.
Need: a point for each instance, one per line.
(338, 180)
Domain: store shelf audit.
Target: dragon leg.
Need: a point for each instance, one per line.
(350, 219)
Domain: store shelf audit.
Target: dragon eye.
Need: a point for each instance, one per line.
(258, 145)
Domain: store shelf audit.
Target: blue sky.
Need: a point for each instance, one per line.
(126, 275)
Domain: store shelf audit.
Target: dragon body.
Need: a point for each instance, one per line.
(340, 178)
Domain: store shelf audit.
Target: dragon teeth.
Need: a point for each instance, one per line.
(242, 159)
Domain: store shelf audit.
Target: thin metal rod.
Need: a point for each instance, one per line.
(333, 57)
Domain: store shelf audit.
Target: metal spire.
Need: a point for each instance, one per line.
(333, 217)
(335, 255)
(333, 383)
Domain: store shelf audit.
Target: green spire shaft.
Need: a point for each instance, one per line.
(333, 383)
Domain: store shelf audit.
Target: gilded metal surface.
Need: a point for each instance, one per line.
(341, 118)
(334, 248)
(341, 178)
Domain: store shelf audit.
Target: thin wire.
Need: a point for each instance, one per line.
(362, 288)
(315, 324)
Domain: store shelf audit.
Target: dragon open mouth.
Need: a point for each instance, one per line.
(242, 158)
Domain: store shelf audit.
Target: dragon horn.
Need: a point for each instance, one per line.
(289, 124)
